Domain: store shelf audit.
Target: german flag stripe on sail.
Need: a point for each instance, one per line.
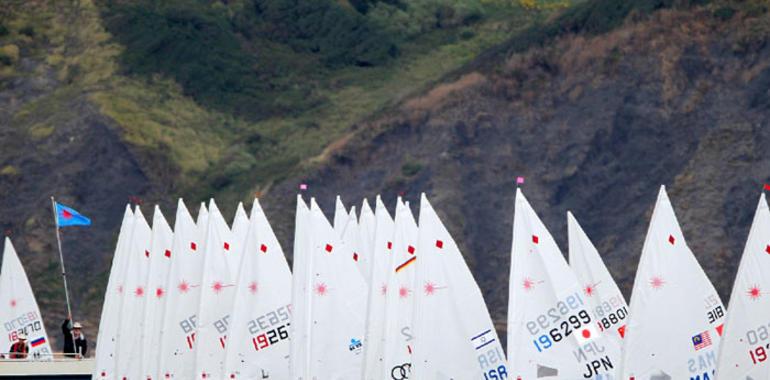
(405, 264)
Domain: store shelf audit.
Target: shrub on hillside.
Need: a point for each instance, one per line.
(417, 17)
(339, 35)
(197, 47)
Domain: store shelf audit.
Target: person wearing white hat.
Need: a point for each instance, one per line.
(20, 348)
(75, 344)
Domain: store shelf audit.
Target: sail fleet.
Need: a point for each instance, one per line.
(375, 296)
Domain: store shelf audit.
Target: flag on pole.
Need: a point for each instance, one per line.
(66, 216)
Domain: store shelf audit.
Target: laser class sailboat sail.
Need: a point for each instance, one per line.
(19, 312)
(299, 345)
(454, 335)
(367, 224)
(239, 231)
(675, 319)
(155, 300)
(258, 337)
(600, 290)
(106, 345)
(341, 216)
(177, 355)
(745, 346)
(399, 296)
(375, 307)
(129, 353)
(216, 297)
(338, 305)
(552, 332)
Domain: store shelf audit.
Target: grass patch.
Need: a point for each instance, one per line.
(40, 131)
(9, 171)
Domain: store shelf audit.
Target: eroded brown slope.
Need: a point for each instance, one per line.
(596, 124)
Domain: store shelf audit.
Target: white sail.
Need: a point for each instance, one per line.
(675, 319)
(104, 366)
(202, 225)
(338, 305)
(155, 300)
(454, 334)
(399, 299)
(216, 300)
(341, 216)
(375, 309)
(367, 223)
(240, 229)
(19, 312)
(203, 216)
(351, 236)
(129, 339)
(177, 354)
(258, 340)
(552, 332)
(299, 346)
(745, 346)
(599, 288)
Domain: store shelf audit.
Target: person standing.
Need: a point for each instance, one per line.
(19, 349)
(75, 343)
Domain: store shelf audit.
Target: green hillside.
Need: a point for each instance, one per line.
(206, 98)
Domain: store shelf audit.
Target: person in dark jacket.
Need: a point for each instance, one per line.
(20, 348)
(75, 344)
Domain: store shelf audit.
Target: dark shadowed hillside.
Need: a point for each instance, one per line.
(596, 124)
(597, 103)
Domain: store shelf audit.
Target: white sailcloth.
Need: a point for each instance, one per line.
(552, 332)
(367, 223)
(399, 298)
(600, 290)
(155, 300)
(104, 366)
(351, 236)
(240, 229)
(217, 296)
(675, 319)
(745, 344)
(19, 312)
(299, 345)
(338, 305)
(129, 340)
(375, 309)
(454, 334)
(177, 354)
(202, 225)
(341, 216)
(203, 216)
(258, 340)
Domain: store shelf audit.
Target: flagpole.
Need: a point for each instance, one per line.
(61, 258)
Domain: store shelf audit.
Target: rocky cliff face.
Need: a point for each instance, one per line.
(596, 125)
